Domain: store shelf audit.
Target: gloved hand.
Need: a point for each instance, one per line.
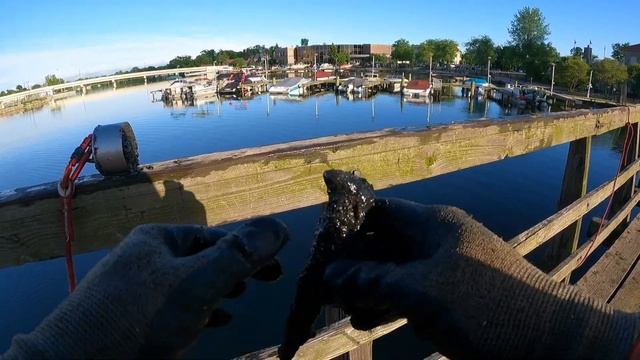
(467, 291)
(151, 296)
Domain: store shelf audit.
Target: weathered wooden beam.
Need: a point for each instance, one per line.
(623, 194)
(574, 186)
(235, 185)
(330, 342)
(605, 276)
(334, 314)
(530, 239)
(576, 259)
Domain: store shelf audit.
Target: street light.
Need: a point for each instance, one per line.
(430, 62)
(553, 75)
(489, 71)
(589, 87)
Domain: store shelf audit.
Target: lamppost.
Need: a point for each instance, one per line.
(553, 75)
(589, 87)
(430, 63)
(489, 71)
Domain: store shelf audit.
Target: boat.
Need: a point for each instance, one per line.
(351, 85)
(289, 86)
(417, 89)
(394, 83)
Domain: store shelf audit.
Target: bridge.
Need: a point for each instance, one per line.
(48, 90)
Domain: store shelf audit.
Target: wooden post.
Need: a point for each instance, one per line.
(334, 314)
(574, 186)
(624, 193)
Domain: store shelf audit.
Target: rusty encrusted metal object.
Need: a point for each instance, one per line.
(350, 197)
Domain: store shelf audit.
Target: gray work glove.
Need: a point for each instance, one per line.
(467, 291)
(151, 296)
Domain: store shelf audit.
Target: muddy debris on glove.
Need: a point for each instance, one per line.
(350, 197)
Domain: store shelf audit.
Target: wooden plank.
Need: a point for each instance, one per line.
(623, 194)
(575, 260)
(332, 341)
(627, 298)
(574, 186)
(530, 239)
(605, 276)
(334, 314)
(235, 185)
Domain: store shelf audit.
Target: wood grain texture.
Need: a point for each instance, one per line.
(605, 276)
(330, 342)
(533, 237)
(573, 261)
(235, 185)
(574, 186)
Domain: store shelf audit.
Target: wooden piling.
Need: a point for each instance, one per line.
(574, 186)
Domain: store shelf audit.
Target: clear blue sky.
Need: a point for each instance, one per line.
(81, 37)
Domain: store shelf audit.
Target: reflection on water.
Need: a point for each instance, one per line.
(44, 139)
(507, 196)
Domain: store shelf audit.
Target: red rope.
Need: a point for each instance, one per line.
(625, 149)
(79, 158)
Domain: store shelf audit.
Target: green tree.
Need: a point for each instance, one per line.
(537, 60)
(617, 51)
(304, 42)
(478, 50)
(333, 53)
(381, 59)
(402, 50)
(634, 79)
(342, 58)
(445, 51)
(19, 88)
(36, 86)
(571, 72)
(51, 80)
(528, 27)
(507, 58)
(609, 72)
(425, 51)
(184, 61)
(577, 51)
(239, 62)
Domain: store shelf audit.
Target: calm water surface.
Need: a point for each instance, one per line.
(508, 196)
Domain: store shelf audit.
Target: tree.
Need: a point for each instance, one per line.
(304, 42)
(634, 79)
(381, 59)
(36, 86)
(184, 61)
(445, 51)
(572, 72)
(402, 51)
(51, 80)
(528, 27)
(507, 58)
(425, 51)
(239, 62)
(537, 60)
(577, 51)
(342, 58)
(478, 50)
(608, 73)
(617, 51)
(19, 87)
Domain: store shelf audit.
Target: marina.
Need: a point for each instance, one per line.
(287, 119)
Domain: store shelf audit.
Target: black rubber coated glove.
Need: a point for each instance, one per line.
(466, 290)
(154, 293)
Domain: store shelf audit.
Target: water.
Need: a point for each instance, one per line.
(507, 196)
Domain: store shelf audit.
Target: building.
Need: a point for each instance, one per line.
(587, 54)
(320, 53)
(285, 56)
(632, 55)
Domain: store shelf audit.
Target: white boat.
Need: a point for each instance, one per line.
(417, 88)
(289, 86)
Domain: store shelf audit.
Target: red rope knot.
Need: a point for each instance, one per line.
(66, 187)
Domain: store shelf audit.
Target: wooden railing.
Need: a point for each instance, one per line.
(235, 185)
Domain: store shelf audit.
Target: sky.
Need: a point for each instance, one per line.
(80, 38)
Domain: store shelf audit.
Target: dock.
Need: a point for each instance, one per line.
(230, 186)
